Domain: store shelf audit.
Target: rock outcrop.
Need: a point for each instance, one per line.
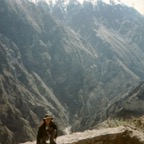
(118, 135)
(128, 105)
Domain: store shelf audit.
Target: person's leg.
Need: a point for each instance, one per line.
(45, 137)
(41, 141)
(53, 142)
(52, 137)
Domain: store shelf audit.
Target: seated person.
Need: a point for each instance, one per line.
(47, 131)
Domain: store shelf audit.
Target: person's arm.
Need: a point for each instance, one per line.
(38, 137)
(56, 128)
(40, 132)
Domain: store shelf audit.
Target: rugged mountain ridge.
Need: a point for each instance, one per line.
(31, 95)
(67, 69)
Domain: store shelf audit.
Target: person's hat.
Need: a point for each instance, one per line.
(47, 116)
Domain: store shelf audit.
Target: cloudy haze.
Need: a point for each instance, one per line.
(137, 4)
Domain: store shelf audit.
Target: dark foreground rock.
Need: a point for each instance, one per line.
(118, 135)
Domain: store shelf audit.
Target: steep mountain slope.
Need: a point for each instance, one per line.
(127, 108)
(128, 105)
(115, 26)
(116, 33)
(37, 53)
(24, 97)
(72, 70)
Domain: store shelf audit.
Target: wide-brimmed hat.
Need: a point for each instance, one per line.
(48, 116)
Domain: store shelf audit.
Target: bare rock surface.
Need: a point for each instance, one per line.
(118, 135)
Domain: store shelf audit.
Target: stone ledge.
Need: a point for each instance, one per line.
(118, 135)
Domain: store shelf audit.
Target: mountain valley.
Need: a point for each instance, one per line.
(80, 63)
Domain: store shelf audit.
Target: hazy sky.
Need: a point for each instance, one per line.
(137, 4)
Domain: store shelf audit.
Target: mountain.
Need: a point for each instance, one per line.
(72, 63)
(22, 97)
(25, 98)
(116, 34)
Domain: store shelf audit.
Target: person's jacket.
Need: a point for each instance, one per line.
(41, 132)
(52, 126)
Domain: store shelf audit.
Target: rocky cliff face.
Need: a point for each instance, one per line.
(22, 102)
(72, 70)
(25, 98)
(129, 104)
